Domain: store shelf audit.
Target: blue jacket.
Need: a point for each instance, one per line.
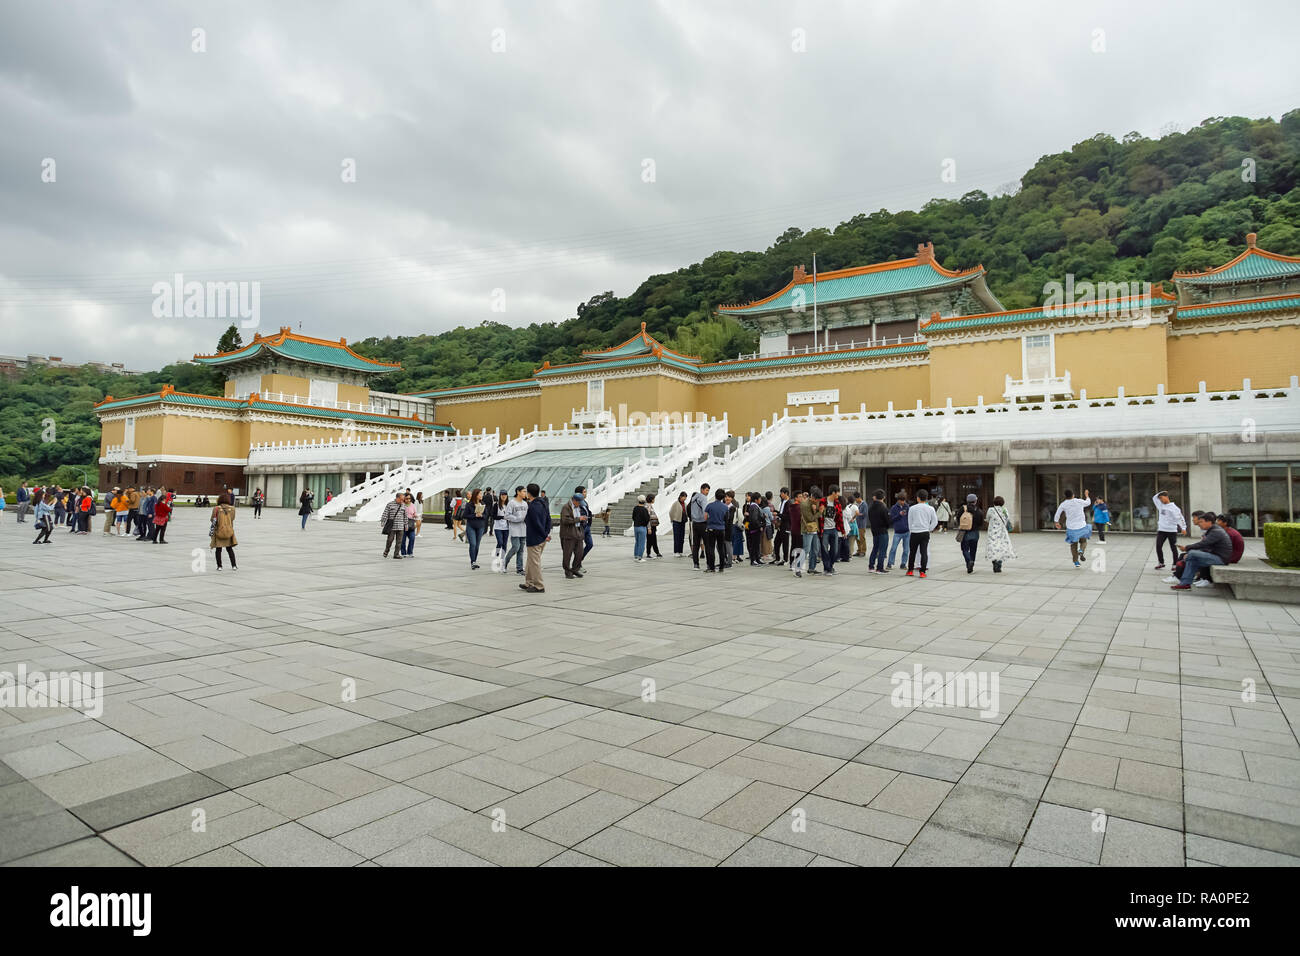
(146, 506)
(537, 525)
(898, 517)
(23, 495)
(1100, 514)
(718, 513)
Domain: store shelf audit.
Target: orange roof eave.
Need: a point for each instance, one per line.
(1050, 311)
(287, 333)
(858, 271)
(1249, 251)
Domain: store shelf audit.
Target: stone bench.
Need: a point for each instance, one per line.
(1254, 579)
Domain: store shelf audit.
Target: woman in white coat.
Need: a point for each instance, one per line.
(998, 547)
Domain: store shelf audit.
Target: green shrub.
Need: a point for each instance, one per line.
(1282, 543)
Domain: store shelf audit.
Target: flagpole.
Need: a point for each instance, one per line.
(814, 302)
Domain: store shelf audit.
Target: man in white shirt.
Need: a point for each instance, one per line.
(921, 520)
(1077, 531)
(850, 515)
(1169, 524)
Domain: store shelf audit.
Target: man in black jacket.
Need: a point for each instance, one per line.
(1213, 549)
(878, 520)
(782, 514)
(537, 531)
(699, 522)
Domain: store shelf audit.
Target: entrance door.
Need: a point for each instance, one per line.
(803, 480)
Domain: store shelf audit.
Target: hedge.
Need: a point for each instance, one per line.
(1282, 543)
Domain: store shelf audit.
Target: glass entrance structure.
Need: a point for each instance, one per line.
(1254, 495)
(1128, 493)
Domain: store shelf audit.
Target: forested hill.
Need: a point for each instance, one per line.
(1106, 209)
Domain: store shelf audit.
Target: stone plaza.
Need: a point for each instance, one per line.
(321, 706)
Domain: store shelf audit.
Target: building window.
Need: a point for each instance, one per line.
(1039, 356)
(1255, 495)
(219, 477)
(596, 394)
(189, 478)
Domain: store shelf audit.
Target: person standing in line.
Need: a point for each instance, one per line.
(408, 533)
(144, 520)
(60, 505)
(446, 509)
(24, 502)
(44, 512)
(902, 531)
(516, 513)
(1100, 518)
(572, 535)
(640, 523)
(161, 514)
(1214, 549)
(921, 520)
(392, 524)
(716, 515)
(697, 511)
(1077, 531)
(87, 511)
(651, 531)
(472, 514)
(832, 526)
(878, 521)
(132, 512)
(1170, 524)
(223, 529)
(969, 522)
(864, 525)
(851, 525)
(943, 511)
(999, 548)
(304, 506)
(537, 526)
(121, 512)
(110, 513)
(735, 533)
(677, 515)
(765, 547)
(810, 517)
(785, 515)
(259, 500)
(754, 525)
(501, 526)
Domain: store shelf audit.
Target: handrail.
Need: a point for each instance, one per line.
(836, 347)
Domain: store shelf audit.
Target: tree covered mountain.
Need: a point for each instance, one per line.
(1106, 209)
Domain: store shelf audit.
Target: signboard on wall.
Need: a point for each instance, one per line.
(828, 397)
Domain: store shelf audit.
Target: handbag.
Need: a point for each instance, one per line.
(212, 527)
(388, 527)
(961, 535)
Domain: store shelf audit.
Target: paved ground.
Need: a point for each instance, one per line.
(493, 727)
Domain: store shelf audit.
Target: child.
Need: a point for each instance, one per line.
(604, 517)
(1100, 517)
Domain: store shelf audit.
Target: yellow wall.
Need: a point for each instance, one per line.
(1103, 359)
(359, 394)
(149, 435)
(201, 437)
(559, 401)
(963, 371)
(289, 384)
(111, 433)
(1222, 359)
(511, 415)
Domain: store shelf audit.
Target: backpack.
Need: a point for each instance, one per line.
(967, 520)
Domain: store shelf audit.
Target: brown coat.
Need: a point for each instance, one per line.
(570, 528)
(225, 534)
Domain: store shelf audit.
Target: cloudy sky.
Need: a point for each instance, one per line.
(550, 149)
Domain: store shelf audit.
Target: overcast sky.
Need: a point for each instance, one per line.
(504, 146)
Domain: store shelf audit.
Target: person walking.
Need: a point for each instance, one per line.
(408, 533)
(223, 529)
(392, 524)
(1170, 524)
(921, 520)
(458, 517)
(697, 511)
(969, 523)
(832, 526)
(1077, 531)
(516, 514)
(537, 525)
(878, 522)
(446, 509)
(43, 510)
(1100, 518)
(162, 511)
(902, 530)
(572, 536)
(259, 500)
(651, 531)
(943, 511)
(304, 506)
(587, 542)
(471, 516)
(677, 515)
(419, 512)
(640, 526)
(999, 548)
(501, 527)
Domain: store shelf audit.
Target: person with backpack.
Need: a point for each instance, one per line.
(223, 529)
(516, 513)
(537, 524)
(969, 522)
(902, 533)
(999, 547)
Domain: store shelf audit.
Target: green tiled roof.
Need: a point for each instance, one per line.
(470, 389)
(335, 355)
(781, 361)
(212, 401)
(993, 319)
(1238, 308)
(635, 361)
(864, 285)
(1253, 265)
(173, 398)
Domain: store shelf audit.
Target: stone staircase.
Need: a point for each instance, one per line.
(620, 512)
(346, 514)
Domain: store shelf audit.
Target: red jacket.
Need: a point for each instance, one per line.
(834, 515)
(161, 510)
(1238, 545)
